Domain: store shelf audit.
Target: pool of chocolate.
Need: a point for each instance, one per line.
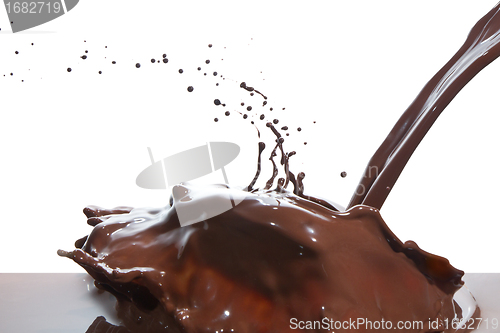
(273, 257)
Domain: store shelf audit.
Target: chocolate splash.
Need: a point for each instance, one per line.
(279, 255)
(273, 257)
(481, 47)
(251, 89)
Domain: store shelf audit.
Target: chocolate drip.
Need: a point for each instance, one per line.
(270, 182)
(262, 146)
(244, 86)
(480, 49)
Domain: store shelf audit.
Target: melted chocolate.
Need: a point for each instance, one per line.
(279, 255)
(273, 257)
(481, 47)
(243, 85)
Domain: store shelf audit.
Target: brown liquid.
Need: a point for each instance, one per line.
(273, 257)
(280, 255)
(479, 50)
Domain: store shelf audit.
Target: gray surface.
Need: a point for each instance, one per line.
(54, 303)
(485, 287)
(68, 303)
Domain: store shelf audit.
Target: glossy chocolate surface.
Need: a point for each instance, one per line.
(273, 257)
(481, 47)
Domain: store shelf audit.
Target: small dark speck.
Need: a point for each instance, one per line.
(249, 108)
(227, 113)
(216, 119)
(283, 109)
(285, 128)
(299, 129)
(84, 57)
(153, 61)
(275, 121)
(181, 71)
(86, 51)
(216, 101)
(270, 109)
(17, 52)
(69, 70)
(343, 174)
(209, 45)
(100, 72)
(262, 117)
(305, 143)
(113, 62)
(190, 88)
(242, 104)
(215, 73)
(217, 84)
(165, 60)
(245, 116)
(199, 68)
(138, 65)
(164, 55)
(207, 61)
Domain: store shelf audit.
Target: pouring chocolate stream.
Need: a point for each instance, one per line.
(481, 47)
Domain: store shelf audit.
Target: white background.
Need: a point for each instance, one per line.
(73, 139)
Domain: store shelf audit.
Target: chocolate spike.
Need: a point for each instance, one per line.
(262, 146)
